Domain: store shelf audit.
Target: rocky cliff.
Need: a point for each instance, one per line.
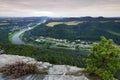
(55, 72)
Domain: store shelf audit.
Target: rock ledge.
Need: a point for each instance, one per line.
(55, 72)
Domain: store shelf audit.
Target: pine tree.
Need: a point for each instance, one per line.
(104, 59)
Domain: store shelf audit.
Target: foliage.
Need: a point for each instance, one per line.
(91, 30)
(104, 59)
(3, 37)
(47, 55)
(19, 69)
(117, 74)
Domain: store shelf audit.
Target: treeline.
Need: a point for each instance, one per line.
(54, 57)
(9, 23)
(87, 18)
(4, 36)
(89, 31)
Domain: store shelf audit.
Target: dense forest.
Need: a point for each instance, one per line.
(40, 54)
(46, 55)
(89, 31)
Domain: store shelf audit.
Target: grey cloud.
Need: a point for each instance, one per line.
(60, 7)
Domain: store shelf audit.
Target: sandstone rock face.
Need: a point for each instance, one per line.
(2, 52)
(55, 72)
(8, 59)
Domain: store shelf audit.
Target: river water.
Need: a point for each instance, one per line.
(16, 38)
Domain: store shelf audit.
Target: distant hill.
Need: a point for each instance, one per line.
(88, 18)
(90, 29)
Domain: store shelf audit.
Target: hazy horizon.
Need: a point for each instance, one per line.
(59, 8)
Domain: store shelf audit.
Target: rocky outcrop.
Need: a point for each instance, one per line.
(55, 72)
(2, 52)
(9, 59)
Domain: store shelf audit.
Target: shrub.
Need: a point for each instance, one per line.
(19, 69)
(104, 59)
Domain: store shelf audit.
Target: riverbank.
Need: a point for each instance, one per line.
(11, 36)
(14, 37)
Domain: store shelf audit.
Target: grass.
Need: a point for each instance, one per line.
(21, 36)
(52, 24)
(104, 21)
(114, 33)
(61, 47)
(2, 24)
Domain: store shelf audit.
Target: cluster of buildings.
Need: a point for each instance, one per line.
(63, 42)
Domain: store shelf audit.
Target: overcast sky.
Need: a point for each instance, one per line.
(60, 8)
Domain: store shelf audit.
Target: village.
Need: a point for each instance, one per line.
(64, 43)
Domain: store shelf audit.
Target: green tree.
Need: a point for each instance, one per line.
(77, 48)
(104, 59)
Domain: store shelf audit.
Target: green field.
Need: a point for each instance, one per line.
(52, 24)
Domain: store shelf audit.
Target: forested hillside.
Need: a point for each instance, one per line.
(87, 30)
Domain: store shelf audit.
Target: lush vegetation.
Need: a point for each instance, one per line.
(4, 36)
(55, 56)
(89, 31)
(19, 69)
(104, 59)
(46, 55)
(8, 25)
